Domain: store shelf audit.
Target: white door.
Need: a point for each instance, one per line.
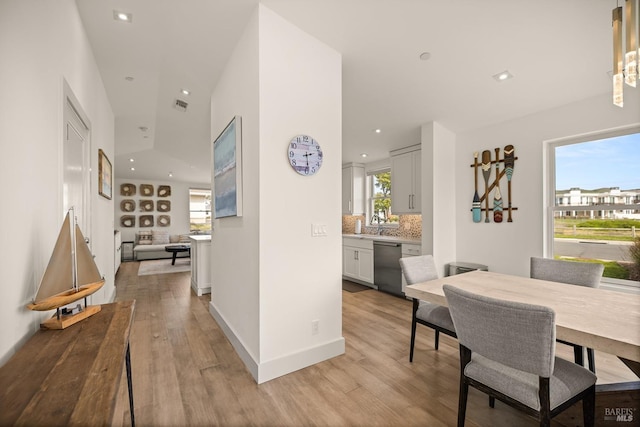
(76, 167)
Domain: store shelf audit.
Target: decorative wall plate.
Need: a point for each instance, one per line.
(146, 190)
(146, 205)
(128, 221)
(164, 190)
(164, 220)
(128, 205)
(164, 206)
(146, 220)
(127, 190)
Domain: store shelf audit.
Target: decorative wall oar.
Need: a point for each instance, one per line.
(486, 171)
(509, 163)
(497, 196)
(476, 206)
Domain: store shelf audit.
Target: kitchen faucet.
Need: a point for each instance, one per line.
(379, 227)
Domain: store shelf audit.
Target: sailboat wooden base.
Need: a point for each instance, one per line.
(70, 319)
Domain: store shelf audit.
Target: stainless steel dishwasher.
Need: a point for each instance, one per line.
(387, 274)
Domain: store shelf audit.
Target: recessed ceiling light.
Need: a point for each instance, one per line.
(122, 16)
(185, 92)
(131, 160)
(363, 155)
(143, 128)
(133, 169)
(129, 78)
(377, 130)
(170, 174)
(424, 56)
(505, 75)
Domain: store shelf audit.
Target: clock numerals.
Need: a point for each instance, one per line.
(305, 155)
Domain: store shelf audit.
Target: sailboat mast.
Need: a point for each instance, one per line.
(74, 264)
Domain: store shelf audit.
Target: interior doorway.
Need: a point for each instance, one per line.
(76, 163)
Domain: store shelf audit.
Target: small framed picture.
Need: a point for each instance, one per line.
(104, 175)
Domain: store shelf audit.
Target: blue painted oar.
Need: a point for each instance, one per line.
(509, 163)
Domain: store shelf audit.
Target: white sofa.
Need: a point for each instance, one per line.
(157, 242)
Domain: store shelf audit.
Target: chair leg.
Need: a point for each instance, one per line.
(589, 408)
(492, 402)
(592, 360)
(462, 402)
(437, 338)
(416, 303)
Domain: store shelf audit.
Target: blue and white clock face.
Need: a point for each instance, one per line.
(305, 155)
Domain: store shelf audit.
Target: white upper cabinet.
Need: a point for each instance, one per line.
(353, 180)
(406, 171)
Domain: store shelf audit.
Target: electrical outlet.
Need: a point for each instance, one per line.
(315, 327)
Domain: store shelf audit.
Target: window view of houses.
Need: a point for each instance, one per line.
(596, 210)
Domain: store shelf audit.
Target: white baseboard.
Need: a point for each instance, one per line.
(265, 371)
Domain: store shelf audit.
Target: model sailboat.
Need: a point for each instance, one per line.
(71, 275)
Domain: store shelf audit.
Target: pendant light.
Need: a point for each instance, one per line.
(631, 42)
(618, 65)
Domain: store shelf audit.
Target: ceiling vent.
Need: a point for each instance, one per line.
(180, 105)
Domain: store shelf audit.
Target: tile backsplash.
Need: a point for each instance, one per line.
(410, 226)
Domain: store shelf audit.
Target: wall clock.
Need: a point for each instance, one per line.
(305, 155)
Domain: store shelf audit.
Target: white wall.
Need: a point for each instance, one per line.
(179, 206)
(438, 194)
(42, 44)
(507, 247)
(277, 279)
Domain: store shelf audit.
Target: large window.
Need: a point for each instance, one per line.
(594, 203)
(199, 210)
(379, 197)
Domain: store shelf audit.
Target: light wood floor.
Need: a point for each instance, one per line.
(185, 372)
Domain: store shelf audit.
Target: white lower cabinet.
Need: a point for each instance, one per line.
(201, 264)
(357, 259)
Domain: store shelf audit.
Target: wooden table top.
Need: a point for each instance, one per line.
(70, 376)
(604, 320)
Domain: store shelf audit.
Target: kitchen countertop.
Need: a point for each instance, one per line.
(375, 237)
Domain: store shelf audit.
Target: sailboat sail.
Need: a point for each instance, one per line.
(71, 274)
(58, 276)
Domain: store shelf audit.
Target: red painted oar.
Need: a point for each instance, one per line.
(497, 196)
(486, 171)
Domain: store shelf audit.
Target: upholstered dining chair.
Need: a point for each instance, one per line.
(418, 269)
(507, 350)
(573, 273)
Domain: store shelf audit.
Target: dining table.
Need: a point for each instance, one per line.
(601, 319)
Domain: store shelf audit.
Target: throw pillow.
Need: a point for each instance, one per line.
(159, 237)
(184, 238)
(174, 238)
(144, 238)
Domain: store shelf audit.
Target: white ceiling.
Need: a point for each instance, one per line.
(559, 51)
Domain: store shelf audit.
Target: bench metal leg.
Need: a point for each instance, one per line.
(130, 385)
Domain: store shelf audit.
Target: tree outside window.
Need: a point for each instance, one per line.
(381, 199)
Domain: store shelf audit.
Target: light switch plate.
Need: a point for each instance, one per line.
(318, 230)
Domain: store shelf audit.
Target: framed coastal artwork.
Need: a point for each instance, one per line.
(227, 170)
(104, 175)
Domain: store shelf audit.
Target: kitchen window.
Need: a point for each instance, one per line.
(379, 199)
(199, 210)
(593, 204)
